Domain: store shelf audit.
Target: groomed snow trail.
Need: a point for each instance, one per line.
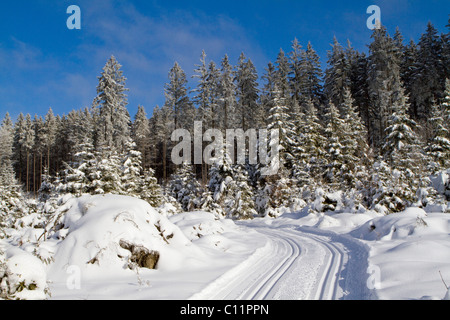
(296, 263)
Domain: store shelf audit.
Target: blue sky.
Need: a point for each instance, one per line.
(43, 64)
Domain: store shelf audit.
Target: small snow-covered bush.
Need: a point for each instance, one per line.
(22, 276)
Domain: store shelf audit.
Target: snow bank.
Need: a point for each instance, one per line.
(89, 262)
(410, 250)
(22, 275)
(97, 225)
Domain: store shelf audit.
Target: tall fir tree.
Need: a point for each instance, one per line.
(383, 79)
(227, 96)
(178, 100)
(337, 75)
(114, 120)
(247, 91)
(140, 133)
(429, 73)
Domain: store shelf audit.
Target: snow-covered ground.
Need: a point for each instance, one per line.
(301, 255)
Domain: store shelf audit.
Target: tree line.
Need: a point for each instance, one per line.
(366, 132)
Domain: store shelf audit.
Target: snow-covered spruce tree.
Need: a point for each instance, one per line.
(278, 189)
(248, 109)
(383, 74)
(337, 75)
(177, 100)
(266, 96)
(131, 173)
(242, 206)
(140, 132)
(428, 76)
(438, 147)
(220, 179)
(335, 131)
(185, 188)
(202, 92)
(295, 61)
(80, 174)
(445, 105)
(230, 189)
(49, 136)
(309, 152)
(12, 202)
(7, 176)
(356, 149)
(113, 127)
(278, 119)
(107, 175)
(150, 190)
(48, 193)
(227, 96)
(386, 188)
(311, 75)
(403, 152)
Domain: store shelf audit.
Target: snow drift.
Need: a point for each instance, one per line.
(102, 233)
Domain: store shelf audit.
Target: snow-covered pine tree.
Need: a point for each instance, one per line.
(438, 147)
(220, 179)
(335, 131)
(178, 100)
(49, 136)
(131, 174)
(428, 77)
(26, 141)
(337, 75)
(107, 175)
(356, 150)
(246, 77)
(311, 75)
(383, 73)
(227, 95)
(310, 151)
(140, 132)
(7, 175)
(359, 88)
(282, 77)
(403, 152)
(12, 203)
(242, 207)
(163, 125)
(38, 151)
(185, 188)
(213, 83)
(150, 190)
(202, 92)
(79, 174)
(278, 119)
(114, 120)
(295, 60)
(278, 188)
(445, 105)
(386, 188)
(266, 97)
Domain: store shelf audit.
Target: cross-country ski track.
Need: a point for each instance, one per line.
(296, 263)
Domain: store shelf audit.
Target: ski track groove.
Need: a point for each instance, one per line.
(286, 273)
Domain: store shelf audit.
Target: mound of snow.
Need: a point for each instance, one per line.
(410, 250)
(394, 226)
(22, 276)
(97, 227)
(207, 230)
